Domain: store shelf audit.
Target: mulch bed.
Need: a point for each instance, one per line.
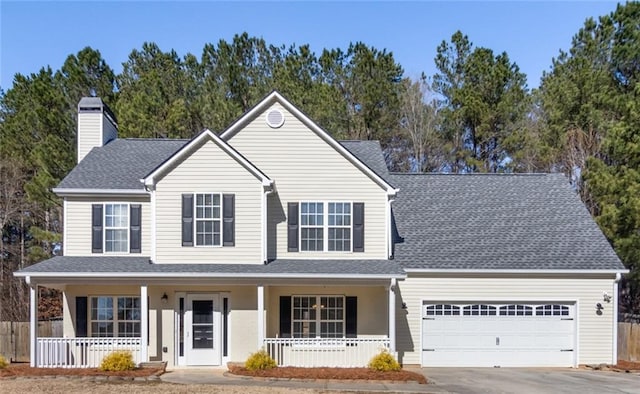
(330, 373)
(15, 370)
(628, 365)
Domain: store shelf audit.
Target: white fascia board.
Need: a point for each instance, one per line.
(275, 96)
(186, 150)
(513, 271)
(105, 275)
(99, 192)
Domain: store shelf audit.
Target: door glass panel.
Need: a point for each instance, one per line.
(202, 324)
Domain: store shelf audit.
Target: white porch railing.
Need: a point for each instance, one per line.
(82, 352)
(324, 352)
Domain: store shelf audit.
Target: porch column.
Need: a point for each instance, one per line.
(392, 316)
(33, 322)
(260, 316)
(144, 323)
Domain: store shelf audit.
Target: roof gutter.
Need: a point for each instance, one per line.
(229, 275)
(514, 271)
(63, 192)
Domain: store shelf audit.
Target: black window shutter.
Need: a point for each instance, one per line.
(81, 317)
(187, 220)
(135, 228)
(96, 228)
(228, 220)
(358, 227)
(351, 317)
(292, 227)
(285, 317)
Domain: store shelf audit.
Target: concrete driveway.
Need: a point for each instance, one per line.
(530, 380)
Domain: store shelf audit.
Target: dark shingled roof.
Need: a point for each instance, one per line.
(283, 268)
(478, 222)
(496, 222)
(121, 163)
(370, 153)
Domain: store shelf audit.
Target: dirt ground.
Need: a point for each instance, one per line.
(64, 386)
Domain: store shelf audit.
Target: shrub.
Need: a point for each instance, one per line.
(384, 362)
(118, 361)
(260, 360)
(3, 362)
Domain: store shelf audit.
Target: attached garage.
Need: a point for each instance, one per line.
(504, 334)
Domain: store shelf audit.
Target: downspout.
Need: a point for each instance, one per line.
(152, 197)
(389, 231)
(268, 188)
(615, 318)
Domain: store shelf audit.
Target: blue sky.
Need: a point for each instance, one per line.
(36, 34)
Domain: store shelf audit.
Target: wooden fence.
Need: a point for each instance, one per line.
(14, 337)
(629, 341)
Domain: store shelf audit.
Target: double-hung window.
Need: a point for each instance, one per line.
(116, 228)
(312, 226)
(318, 317)
(208, 219)
(115, 316)
(339, 226)
(325, 226)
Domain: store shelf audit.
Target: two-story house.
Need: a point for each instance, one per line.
(274, 235)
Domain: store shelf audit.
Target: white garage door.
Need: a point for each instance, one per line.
(476, 334)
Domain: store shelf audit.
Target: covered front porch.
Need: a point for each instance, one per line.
(212, 319)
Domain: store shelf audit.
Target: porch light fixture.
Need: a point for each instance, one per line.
(164, 298)
(316, 306)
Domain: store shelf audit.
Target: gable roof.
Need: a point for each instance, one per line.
(275, 97)
(197, 141)
(119, 165)
(496, 222)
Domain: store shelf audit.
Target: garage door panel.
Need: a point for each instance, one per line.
(541, 335)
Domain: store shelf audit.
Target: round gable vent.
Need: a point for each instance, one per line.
(275, 118)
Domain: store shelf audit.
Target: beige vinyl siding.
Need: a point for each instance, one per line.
(306, 168)
(372, 306)
(89, 132)
(594, 332)
(209, 170)
(77, 240)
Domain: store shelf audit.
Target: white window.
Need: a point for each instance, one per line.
(339, 226)
(116, 228)
(552, 310)
(115, 316)
(330, 221)
(312, 226)
(318, 317)
(208, 219)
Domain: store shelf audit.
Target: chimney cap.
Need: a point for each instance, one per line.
(95, 104)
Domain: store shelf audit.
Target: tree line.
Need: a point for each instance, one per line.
(475, 114)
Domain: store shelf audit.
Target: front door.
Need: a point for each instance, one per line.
(202, 329)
